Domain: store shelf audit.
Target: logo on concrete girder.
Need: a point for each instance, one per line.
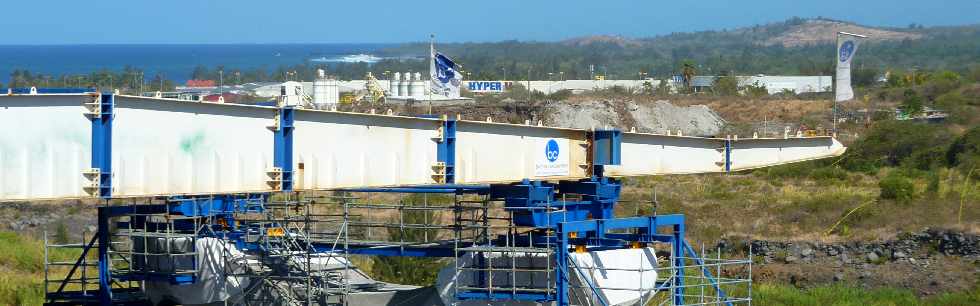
(551, 150)
(846, 51)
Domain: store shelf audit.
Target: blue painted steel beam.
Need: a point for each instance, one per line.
(502, 296)
(406, 251)
(443, 188)
(27, 90)
(102, 145)
(283, 150)
(728, 155)
(446, 149)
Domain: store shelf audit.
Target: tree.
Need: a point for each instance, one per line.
(725, 86)
(688, 71)
(756, 90)
(912, 104)
(418, 271)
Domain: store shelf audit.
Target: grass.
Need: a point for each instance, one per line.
(22, 268)
(802, 201)
(843, 295)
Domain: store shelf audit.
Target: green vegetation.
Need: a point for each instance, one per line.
(22, 268)
(411, 270)
(770, 294)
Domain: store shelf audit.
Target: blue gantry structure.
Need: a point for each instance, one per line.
(568, 216)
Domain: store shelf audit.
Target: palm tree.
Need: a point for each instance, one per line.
(688, 71)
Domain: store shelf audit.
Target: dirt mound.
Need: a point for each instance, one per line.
(648, 117)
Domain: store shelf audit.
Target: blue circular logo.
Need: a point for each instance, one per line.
(551, 150)
(846, 50)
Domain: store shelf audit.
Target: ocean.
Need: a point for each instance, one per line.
(174, 62)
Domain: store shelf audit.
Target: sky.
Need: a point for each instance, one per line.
(393, 21)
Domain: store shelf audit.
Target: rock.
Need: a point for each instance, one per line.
(912, 260)
(832, 251)
(838, 277)
(807, 252)
(898, 255)
(790, 259)
(872, 256)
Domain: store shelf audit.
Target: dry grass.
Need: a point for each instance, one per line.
(784, 208)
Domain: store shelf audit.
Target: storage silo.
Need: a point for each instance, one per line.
(326, 94)
(403, 85)
(393, 84)
(418, 86)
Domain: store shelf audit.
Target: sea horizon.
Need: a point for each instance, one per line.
(174, 61)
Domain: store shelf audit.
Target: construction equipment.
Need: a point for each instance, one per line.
(375, 93)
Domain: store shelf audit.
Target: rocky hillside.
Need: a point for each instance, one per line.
(819, 31)
(658, 117)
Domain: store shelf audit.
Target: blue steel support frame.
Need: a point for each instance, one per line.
(446, 149)
(606, 149)
(728, 155)
(102, 144)
(678, 258)
(42, 91)
(283, 151)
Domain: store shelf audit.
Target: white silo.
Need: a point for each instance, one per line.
(418, 86)
(325, 91)
(393, 84)
(403, 85)
(320, 88)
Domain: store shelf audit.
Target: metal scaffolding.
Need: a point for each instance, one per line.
(296, 248)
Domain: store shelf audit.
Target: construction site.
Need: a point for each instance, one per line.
(223, 204)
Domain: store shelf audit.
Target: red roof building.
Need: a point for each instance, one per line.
(200, 83)
(229, 97)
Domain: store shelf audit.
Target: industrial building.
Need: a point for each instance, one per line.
(773, 83)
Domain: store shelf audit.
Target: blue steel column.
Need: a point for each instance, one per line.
(102, 145)
(105, 277)
(728, 155)
(283, 151)
(561, 262)
(446, 149)
(678, 249)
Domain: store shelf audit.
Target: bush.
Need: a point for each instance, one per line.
(889, 143)
(827, 175)
(896, 186)
(965, 147)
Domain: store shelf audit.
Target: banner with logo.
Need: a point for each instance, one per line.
(551, 157)
(446, 80)
(847, 46)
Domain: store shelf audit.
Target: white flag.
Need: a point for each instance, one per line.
(445, 79)
(847, 46)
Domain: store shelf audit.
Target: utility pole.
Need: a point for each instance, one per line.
(221, 82)
(529, 85)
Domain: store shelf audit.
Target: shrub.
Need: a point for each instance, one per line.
(965, 147)
(828, 174)
(896, 186)
(889, 143)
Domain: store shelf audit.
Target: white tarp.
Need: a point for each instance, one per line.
(217, 263)
(615, 273)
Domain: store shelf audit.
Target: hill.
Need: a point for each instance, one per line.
(823, 31)
(796, 46)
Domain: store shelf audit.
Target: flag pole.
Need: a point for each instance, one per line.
(834, 83)
(837, 61)
(432, 59)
